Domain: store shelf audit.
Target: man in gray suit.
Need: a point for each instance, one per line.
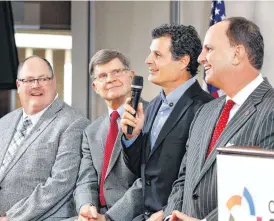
(40, 149)
(105, 188)
(232, 56)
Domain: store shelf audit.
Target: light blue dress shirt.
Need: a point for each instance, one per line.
(168, 104)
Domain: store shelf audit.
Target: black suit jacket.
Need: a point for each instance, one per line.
(159, 168)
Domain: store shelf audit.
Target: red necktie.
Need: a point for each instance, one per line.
(220, 126)
(111, 138)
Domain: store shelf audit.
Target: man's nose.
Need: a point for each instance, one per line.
(202, 58)
(35, 83)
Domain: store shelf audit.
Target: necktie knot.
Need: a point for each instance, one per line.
(26, 124)
(229, 105)
(114, 116)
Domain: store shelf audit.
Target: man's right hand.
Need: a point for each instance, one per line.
(136, 122)
(87, 213)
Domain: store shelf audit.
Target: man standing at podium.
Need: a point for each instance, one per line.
(232, 56)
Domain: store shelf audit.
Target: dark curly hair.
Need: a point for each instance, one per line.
(184, 41)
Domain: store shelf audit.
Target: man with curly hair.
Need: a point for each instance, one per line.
(155, 149)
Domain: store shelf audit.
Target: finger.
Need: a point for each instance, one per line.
(140, 110)
(129, 108)
(128, 100)
(126, 122)
(93, 212)
(178, 216)
(81, 218)
(128, 116)
(84, 212)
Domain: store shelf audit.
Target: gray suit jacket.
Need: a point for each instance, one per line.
(39, 182)
(195, 191)
(120, 192)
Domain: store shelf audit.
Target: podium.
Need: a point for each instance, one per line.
(245, 179)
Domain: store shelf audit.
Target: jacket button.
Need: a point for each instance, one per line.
(147, 213)
(195, 196)
(148, 183)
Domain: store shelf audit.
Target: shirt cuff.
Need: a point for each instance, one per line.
(126, 142)
(167, 218)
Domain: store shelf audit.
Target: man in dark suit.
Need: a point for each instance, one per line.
(104, 189)
(155, 148)
(39, 149)
(232, 56)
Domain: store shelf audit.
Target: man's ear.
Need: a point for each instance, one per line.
(239, 54)
(93, 84)
(17, 85)
(185, 61)
(132, 73)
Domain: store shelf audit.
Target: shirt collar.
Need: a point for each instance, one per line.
(120, 110)
(243, 94)
(35, 117)
(175, 95)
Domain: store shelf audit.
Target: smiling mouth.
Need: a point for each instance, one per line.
(153, 71)
(113, 87)
(36, 94)
(207, 68)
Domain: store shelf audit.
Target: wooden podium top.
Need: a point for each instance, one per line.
(246, 150)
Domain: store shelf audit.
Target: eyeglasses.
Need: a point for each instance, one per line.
(41, 81)
(115, 73)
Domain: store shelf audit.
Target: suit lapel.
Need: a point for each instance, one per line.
(148, 126)
(10, 130)
(41, 125)
(236, 123)
(211, 123)
(115, 153)
(97, 145)
(181, 107)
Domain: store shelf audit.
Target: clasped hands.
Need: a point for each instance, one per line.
(176, 216)
(89, 213)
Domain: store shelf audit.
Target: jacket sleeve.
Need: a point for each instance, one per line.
(132, 155)
(87, 184)
(130, 205)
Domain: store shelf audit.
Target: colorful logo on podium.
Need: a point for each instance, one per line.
(236, 200)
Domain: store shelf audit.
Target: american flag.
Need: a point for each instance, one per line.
(217, 14)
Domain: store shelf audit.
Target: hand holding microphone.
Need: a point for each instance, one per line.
(133, 118)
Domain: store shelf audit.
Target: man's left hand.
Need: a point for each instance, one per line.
(3, 218)
(178, 216)
(100, 217)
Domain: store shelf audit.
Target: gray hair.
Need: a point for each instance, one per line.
(106, 55)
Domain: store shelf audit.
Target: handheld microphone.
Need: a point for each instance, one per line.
(136, 89)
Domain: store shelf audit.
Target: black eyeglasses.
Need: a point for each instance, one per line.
(41, 81)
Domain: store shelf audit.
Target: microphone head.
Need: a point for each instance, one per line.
(138, 81)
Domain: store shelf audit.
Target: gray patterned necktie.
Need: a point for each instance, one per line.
(17, 139)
